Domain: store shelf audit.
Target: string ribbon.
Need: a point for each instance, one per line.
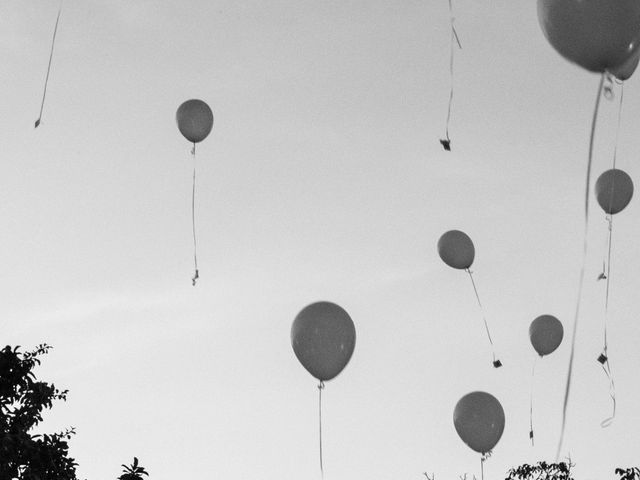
(533, 372)
(320, 388)
(584, 257)
(483, 458)
(446, 142)
(46, 81)
(604, 357)
(193, 219)
(496, 363)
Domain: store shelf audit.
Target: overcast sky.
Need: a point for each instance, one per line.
(323, 179)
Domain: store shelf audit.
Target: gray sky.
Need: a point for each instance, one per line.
(323, 179)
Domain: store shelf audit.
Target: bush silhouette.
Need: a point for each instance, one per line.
(23, 398)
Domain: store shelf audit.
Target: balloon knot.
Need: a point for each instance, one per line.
(446, 144)
(603, 358)
(321, 385)
(608, 88)
(485, 455)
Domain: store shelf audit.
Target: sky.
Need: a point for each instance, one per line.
(323, 179)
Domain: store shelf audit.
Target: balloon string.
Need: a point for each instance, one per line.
(533, 371)
(584, 257)
(193, 219)
(446, 142)
(496, 363)
(46, 81)
(320, 388)
(483, 458)
(604, 357)
(606, 367)
(615, 148)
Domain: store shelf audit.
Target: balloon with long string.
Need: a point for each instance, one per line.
(604, 37)
(545, 334)
(46, 80)
(323, 338)
(195, 121)
(457, 251)
(479, 419)
(614, 189)
(455, 41)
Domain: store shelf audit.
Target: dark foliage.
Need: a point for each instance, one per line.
(632, 473)
(542, 471)
(23, 398)
(133, 472)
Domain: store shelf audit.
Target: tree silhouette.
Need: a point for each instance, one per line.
(542, 471)
(133, 472)
(24, 455)
(632, 473)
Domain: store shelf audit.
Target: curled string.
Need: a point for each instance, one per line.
(584, 257)
(496, 363)
(193, 219)
(320, 388)
(533, 371)
(46, 80)
(446, 142)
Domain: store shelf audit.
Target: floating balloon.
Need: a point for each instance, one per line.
(598, 35)
(195, 120)
(323, 338)
(479, 421)
(546, 333)
(614, 190)
(456, 249)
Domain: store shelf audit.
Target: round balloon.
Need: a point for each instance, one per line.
(195, 120)
(456, 249)
(546, 333)
(323, 338)
(479, 421)
(614, 190)
(599, 35)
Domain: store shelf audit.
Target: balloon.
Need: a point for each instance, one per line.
(195, 120)
(614, 190)
(546, 333)
(323, 338)
(456, 249)
(599, 35)
(479, 421)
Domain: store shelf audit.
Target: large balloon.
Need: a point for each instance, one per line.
(614, 190)
(479, 421)
(195, 120)
(323, 338)
(546, 333)
(599, 35)
(456, 249)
